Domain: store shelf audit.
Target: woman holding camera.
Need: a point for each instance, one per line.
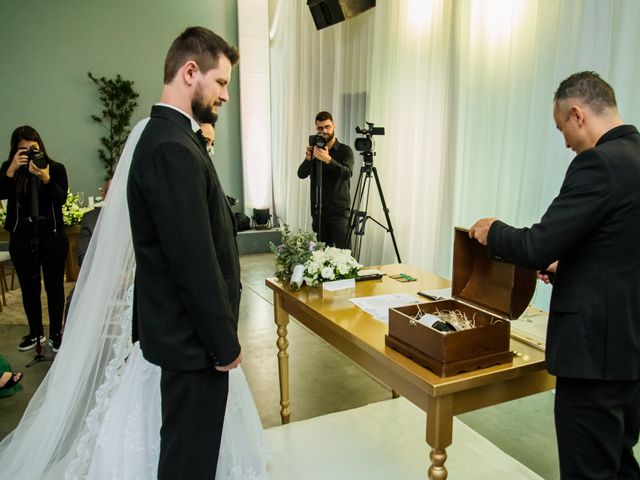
(36, 188)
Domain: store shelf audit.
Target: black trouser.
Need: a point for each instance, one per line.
(597, 425)
(193, 408)
(50, 254)
(334, 230)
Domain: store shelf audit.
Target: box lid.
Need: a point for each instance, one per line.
(500, 288)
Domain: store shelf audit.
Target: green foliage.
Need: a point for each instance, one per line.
(72, 212)
(119, 100)
(295, 249)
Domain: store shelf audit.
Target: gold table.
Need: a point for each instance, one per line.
(359, 336)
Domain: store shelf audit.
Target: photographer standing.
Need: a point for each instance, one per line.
(330, 165)
(36, 188)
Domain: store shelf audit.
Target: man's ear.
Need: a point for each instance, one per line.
(578, 113)
(189, 71)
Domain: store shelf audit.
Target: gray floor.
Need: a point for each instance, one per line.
(322, 380)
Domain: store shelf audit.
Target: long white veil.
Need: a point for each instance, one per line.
(59, 426)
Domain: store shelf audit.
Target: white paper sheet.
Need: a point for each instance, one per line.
(378, 306)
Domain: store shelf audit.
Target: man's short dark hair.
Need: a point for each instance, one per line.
(588, 87)
(201, 45)
(322, 116)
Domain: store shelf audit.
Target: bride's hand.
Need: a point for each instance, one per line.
(232, 365)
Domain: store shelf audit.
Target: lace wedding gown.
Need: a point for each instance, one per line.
(128, 442)
(96, 415)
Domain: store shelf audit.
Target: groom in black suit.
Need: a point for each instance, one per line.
(590, 238)
(187, 284)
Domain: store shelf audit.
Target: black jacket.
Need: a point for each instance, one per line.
(51, 196)
(187, 284)
(593, 229)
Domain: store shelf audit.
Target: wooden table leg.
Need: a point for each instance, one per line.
(282, 320)
(439, 434)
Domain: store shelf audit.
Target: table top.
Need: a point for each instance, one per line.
(337, 313)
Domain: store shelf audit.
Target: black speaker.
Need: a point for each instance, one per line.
(329, 12)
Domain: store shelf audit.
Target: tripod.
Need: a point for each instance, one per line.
(317, 196)
(358, 217)
(35, 251)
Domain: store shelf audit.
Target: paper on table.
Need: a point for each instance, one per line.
(378, 306)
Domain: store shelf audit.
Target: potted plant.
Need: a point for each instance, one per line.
(119, 99)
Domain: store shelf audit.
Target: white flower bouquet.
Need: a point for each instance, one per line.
(292, 254)
(330, 264)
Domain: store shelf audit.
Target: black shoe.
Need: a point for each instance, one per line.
(54, 342)
(28, 342)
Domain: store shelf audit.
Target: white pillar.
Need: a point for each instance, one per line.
(255, 91)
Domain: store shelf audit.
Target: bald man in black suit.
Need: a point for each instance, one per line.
(589, 243)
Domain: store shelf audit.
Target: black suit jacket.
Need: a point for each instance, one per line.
(187, 284)
(593, 229)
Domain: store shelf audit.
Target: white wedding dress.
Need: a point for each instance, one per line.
(128, 441)
(96, 415)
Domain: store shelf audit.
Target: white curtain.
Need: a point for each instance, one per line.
(311, 71)
(464, 89)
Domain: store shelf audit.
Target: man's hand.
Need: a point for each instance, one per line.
(480, 229)
(322, 154)
(231, 366)
(309, 154)
(546, 275)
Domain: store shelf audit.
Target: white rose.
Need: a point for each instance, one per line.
(327, 272)
(313, 267)
(343, 269)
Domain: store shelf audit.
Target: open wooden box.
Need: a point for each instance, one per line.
(493, 292)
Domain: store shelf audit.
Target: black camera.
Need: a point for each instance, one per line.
(317, 140)
(365, 144)
(38, 158)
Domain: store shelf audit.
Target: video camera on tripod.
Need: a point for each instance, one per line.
(358, 216)
(366, 143)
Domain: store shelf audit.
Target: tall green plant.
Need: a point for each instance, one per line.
(119, 100)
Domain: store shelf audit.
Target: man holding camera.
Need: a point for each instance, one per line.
(329, 163)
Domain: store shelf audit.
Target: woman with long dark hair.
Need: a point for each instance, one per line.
(36, 188)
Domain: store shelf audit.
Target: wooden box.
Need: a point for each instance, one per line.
(493, 292)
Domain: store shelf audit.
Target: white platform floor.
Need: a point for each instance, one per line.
(384, 440)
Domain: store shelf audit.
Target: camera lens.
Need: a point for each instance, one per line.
(363, 144)
(317, 140)
(37, 157)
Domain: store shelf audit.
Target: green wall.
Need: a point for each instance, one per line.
(47, 47)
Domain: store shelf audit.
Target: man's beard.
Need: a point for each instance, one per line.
(329, 136)
(201, 112)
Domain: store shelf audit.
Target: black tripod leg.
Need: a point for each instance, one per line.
(358, 215)
(356, 202)
(386, 213)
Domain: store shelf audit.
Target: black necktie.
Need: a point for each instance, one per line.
(202, 138)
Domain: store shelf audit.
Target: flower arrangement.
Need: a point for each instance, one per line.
(295, 249)
(330, 264)
(71, 212)
(300, 257)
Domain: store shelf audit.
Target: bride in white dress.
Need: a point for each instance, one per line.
(96, 414)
